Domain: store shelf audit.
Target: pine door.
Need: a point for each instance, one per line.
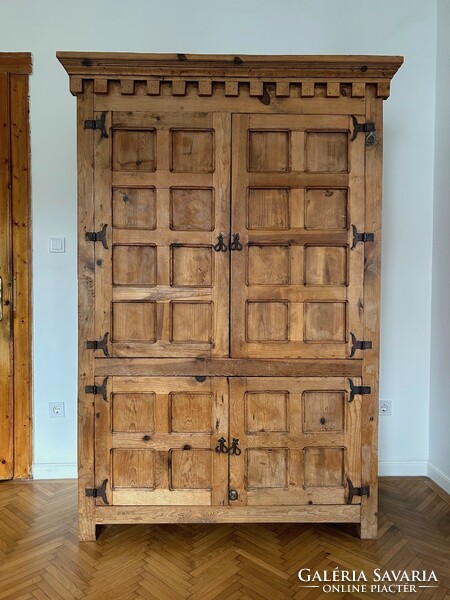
(161, 201)
(297, 195)
(237, 442)
(299, 440)
(155, 441)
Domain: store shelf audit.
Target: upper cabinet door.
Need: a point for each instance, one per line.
(297, 194)
(162, 199)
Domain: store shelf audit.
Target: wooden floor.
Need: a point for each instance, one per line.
(40, 557)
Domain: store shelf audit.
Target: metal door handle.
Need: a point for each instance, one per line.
(220, 246)
(235, 244)
(221, 448)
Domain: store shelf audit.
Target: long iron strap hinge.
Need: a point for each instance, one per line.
(99, 123)
(362, 237)
(99, 344)
(99, 492)
(367, 128)
(97, 236)
(98, 389)
(364, 490)
(360, 390)
(359, 345)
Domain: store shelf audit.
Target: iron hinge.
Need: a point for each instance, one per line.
(97, 236)
(98, 389)
(99, 344)
(360, 390)
(359, 345)
(99, 492)
(364, 490)
(367, 128)
(362, 237)
(97, 124)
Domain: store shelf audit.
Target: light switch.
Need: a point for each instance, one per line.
(56, 244)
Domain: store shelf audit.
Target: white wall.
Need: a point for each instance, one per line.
(405, 27)
(439, 466)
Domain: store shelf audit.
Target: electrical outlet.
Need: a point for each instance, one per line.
(386, 408)
(56, 409)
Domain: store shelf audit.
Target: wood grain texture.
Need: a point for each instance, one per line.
(18, 63)
(86, 324)
(289, 455)
(222, 367)
(6, 274)
(161, 289)
(42, 559)
(372, 288)
(15, 270)
(155, 441)
(326, 66)
(22, 260)
(297, 285)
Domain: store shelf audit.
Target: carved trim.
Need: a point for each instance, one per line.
(281, 88)
(207, 72)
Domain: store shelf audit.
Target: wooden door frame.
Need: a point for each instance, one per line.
(18, 66)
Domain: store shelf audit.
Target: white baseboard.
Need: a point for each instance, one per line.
(439, 477)
(389, 468)
(55, 471)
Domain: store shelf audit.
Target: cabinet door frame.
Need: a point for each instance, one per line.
(295, 437)
(167, 308)
(160, 451)
(289, 298)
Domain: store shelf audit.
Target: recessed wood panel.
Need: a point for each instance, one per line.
(268, 265)
(323, 411)
(267, 468)
(134, 265)
(266, 411)
(191, 412)
(325, 322)
(267, 321)
(326, 208)
(326, 265)
(133, 468)
(133, 412)
(133, 150)
(327, 152)
(268, 151)
(134, 321)
(268, 208)
(134, 208)
(191, 469)
(192, 209)
(191, 321)
(324, 467)
(192, 266)
(192, 150)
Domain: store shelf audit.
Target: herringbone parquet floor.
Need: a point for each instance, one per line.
(40, 557)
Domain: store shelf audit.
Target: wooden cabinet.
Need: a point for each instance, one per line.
(229, 280)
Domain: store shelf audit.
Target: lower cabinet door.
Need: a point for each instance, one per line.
(155, 441)
(213, 441)
(299, 441)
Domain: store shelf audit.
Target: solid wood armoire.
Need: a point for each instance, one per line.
(229, 287)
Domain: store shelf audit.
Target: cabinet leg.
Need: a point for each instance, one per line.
(87, 530)
(368, 528)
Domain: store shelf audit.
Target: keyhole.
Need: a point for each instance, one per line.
(322, 421)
